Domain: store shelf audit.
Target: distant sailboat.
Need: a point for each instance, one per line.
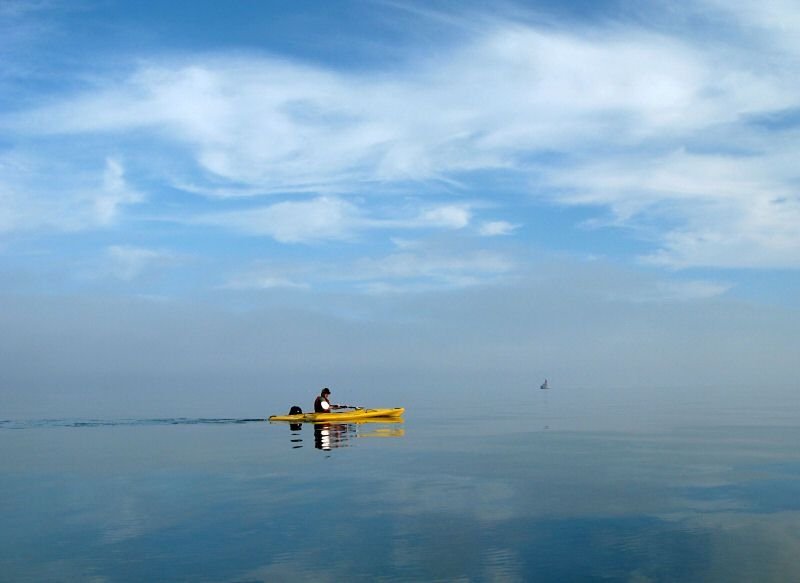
(545, 385)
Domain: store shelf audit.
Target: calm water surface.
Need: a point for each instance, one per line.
(580, 486)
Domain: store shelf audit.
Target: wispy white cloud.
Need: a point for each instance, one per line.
(412, 268)
(127, 262)
(454, 268)
(496, 228)
(730, 211)
(263, 280)
(513, 89)
(52, 195)
(295, 221)
(330, 218)
(115, 193)
(777, 22)
(448, 216)
(646, 123)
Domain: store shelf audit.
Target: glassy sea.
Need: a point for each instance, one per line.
(567, 485)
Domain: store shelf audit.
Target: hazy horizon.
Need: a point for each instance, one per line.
(219, 210)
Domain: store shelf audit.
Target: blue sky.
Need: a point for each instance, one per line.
(374, 161)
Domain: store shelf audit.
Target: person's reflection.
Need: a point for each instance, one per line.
(328, 436)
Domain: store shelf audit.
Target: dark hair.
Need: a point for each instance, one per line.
(325, 391)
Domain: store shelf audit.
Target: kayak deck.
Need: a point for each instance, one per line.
(354, 415)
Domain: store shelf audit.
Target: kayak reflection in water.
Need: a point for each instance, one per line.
(329, 436)
(322, 404)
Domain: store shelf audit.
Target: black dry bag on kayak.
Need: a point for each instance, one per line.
(295, 410)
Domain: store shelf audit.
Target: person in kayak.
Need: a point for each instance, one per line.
(323, 405)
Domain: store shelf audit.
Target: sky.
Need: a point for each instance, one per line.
(212, 206)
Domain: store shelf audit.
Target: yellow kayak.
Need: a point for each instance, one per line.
(343, 416)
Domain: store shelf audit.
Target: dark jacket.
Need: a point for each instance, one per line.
(318, 405)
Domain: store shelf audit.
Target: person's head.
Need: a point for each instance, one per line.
(325, 392)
